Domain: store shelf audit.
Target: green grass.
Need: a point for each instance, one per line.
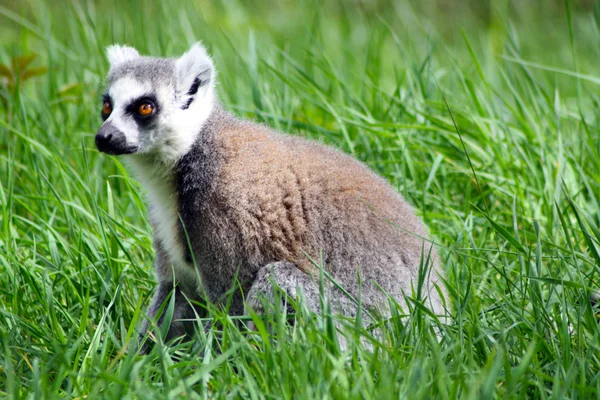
(488, 125)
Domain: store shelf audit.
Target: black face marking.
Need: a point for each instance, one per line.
(105, 99)
(199, 81)
(194, 88)
(187, 103)
(133, 107)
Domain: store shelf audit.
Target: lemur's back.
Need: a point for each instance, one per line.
(282, 198)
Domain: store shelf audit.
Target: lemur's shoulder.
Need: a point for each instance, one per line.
(248, 145)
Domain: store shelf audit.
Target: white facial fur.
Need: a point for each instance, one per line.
(175, 129)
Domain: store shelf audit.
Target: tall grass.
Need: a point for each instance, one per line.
(489, 128)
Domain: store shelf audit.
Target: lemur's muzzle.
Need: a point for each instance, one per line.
(111, 140)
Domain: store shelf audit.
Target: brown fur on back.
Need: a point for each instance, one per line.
(277, 197)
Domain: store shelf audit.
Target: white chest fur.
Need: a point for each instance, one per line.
(164, 214)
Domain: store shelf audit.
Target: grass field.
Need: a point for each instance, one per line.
(485, 119)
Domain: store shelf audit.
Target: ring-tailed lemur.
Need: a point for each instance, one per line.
(252, 203)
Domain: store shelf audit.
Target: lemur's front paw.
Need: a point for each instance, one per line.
(145, 341)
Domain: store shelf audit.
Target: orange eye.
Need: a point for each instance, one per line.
(106, 108)
(145, 109)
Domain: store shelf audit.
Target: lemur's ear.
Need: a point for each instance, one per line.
(118, 54)
(193, 71)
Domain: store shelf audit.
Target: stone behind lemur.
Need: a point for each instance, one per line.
(253, 202)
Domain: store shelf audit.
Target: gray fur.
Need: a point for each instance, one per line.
(158, 71)
(255, 202)
(288, 278)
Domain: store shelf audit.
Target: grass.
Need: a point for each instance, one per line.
(488, 125)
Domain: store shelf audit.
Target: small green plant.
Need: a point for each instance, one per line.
(19, 71)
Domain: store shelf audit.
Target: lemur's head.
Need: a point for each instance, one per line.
(155, 105)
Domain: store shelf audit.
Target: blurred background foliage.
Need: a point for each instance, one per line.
(489, 24)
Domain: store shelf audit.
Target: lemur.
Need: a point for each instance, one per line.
(238, 208)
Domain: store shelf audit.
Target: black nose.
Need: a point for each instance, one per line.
(111, 140)
(103, 140)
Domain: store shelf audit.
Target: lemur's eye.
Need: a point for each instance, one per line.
(145, 109)
(106, 108)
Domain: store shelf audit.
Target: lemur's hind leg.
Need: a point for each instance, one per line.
(183, 318)
(288, 278)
